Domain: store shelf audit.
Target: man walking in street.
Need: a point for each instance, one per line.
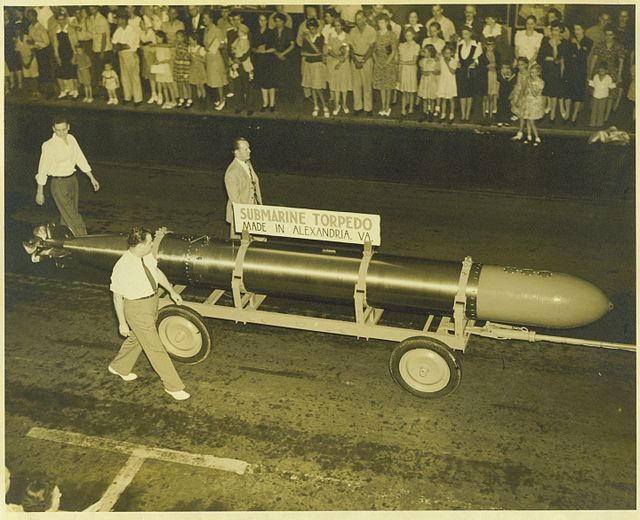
(134, 283)
(59, 158)
(241, 182)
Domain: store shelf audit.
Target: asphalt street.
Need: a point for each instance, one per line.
(318, 417)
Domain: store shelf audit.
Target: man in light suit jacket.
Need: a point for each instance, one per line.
(241, 181)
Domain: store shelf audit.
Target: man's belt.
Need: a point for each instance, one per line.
(143, 298)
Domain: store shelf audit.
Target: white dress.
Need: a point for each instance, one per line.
(447, 86)
(408, 52)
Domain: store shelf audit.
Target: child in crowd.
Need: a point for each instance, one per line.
(162, 70)
(24, 47)
(241, 71)
(506, 81)
(83, 62)
(181, 66)
(197, 71)
(314, 72)
(428, 91)
(447, 85)
(408, 52)
(532, 104)
(601, 85)
(518, 89)
(147, 41)
(490, 62)
(110, 82)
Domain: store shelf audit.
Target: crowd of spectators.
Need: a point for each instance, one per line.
(436, 69)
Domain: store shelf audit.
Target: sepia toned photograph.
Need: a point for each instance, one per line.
(366, 260)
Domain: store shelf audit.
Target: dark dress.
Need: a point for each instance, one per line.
(551, 73)
(66, 69)
(11, 56)
(482, 86)
(466, 77)
(263, 64)
(574, 82)
(282, 70)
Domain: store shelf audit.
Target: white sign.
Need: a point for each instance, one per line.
(311, 224)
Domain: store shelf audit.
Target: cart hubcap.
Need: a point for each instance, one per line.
(424, 370)
(180, 337)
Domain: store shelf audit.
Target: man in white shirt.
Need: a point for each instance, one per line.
(241, 181)
(134, 283)
(126, 40)
(527, 42)
(446, 25)
(59, 158)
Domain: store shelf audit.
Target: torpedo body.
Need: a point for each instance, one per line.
(313, 272)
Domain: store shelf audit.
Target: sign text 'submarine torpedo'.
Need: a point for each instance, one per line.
(462, 294)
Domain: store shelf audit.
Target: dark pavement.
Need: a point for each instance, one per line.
(531, 426)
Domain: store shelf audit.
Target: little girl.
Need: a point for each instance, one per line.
(408, 52)
(83, 62)
(447, 86)
(162, 69)
(314, 72)
(197, 71)
(110, 82)
(241, 71)
(518, 89)
(181, 66)
(431, 69)
(602, 84)
(532, 104)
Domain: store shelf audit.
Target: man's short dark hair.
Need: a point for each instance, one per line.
(58, 120)
(237, 141)
(38, 495)
(280, 16)
(137, 235)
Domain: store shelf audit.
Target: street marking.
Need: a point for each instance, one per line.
(120, 483)
(127, 448)
(137, 455)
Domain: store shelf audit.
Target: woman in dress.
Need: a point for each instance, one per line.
(283, 44)
(338, 64)
(385, 66)
(469, 52)
(551, 58)
(263, 61)
(574, 81)
(64, 43)
(216, 73)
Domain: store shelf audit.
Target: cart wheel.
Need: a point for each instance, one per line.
(425, 367)
(184, 334)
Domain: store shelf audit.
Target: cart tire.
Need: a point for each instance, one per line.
(184, 334)
(425, 367)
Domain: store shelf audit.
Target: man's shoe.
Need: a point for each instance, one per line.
(129, 377)
(178, 395)
(370, 113)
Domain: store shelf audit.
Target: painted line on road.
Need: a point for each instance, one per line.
(120, 483)
(179, 457)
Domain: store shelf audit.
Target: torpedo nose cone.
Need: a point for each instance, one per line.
(539, 298)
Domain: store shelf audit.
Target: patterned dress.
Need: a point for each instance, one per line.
(385, 76)
(181, 62)
(339, 73)
(429, 80)
(532, 102)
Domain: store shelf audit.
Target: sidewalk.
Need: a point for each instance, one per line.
(295, 107)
